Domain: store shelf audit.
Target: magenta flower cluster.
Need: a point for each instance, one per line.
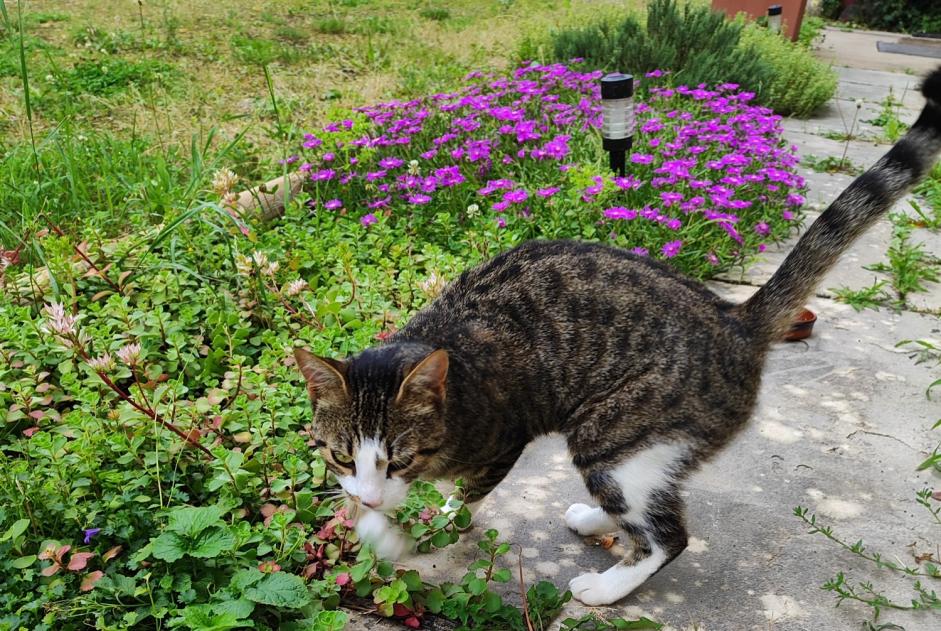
(706, 163)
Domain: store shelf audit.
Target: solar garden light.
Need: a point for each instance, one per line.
(617, 117)
(774, 18)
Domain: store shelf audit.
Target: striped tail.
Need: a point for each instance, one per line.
(772, 309)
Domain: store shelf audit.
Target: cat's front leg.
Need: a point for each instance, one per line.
(388, 541)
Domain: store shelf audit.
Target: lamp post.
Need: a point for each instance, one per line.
(617, 117)
(774, 18)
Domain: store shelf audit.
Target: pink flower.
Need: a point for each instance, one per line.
(368, 219)
(671, 248)
(343, 578)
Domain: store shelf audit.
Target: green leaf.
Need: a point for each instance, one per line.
(244, 578)
(22, 563)
(202, 618)
(412, 581)
(433, 600)
(192, 520)
(502, 575)
(279, 590)
(384, 569)
(330, 621)
(169, 547)
(441, 539)
(492, 602)
(240, 608)
(211, 543)
(477, 586)
(14, 531)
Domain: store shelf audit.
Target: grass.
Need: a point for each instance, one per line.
(322, 53)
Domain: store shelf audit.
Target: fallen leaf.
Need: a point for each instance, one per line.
(110, 554)
(88, 583)
(79, 560)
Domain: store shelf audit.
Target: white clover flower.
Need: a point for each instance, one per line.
(223, 181)
(60, 322)
(243, 265)
(104, 363)
(295, 287)
(432, 285)
(129, 353)
(413, 167)
(473, 210)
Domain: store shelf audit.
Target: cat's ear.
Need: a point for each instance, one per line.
(325, 377)
(427, 381)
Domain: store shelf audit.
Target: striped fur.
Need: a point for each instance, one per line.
(645, 372)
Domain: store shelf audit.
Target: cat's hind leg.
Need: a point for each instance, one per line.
(639, 495)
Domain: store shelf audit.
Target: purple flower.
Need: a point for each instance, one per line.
(620, 212)
(418, 199)
(391, 163)
(671, 248)
(640, 251)
(333, 204)
(670, 198)
(89, 533)
(762, 228)
(793, 199)
(368, 219)
(501, 222)
(548, 192)
(516, 197)
(311, 141)
(641, 158)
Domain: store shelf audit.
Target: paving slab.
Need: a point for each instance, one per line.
(857, 49)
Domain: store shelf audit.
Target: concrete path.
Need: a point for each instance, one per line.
(842, 423)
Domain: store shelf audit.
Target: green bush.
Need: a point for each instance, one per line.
(698, 46)
(899, 15)
(800, 83)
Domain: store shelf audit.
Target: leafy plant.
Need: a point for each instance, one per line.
(799, 84)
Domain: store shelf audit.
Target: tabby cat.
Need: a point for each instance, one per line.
(644, 372)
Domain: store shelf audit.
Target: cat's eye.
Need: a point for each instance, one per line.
(342, 458)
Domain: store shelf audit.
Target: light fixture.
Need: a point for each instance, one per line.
(617, 117)
(774, 18)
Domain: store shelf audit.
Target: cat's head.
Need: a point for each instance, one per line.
(378, 417)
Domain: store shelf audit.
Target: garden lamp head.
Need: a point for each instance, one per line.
(617, 117)
(774, 18)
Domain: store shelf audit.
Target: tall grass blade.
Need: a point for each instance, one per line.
(24, 75)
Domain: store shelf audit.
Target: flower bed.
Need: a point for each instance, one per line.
(710, 180)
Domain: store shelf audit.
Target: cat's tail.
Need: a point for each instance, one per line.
(772, 309)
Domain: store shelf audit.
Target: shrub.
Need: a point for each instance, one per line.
(899, 15)
(800, 83)
(697, 44)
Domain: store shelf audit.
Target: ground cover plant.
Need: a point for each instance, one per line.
(156, 468)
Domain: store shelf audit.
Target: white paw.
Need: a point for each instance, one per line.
(592, 590)
(374, 528)
(587, 520)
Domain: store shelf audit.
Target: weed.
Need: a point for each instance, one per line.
(909, 266)
(331, 26)
(888, 118)
(113, 75)
(832, 164)
(871, 297)
(436, 13)
(293, 34)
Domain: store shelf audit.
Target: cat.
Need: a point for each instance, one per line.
(645, 373)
